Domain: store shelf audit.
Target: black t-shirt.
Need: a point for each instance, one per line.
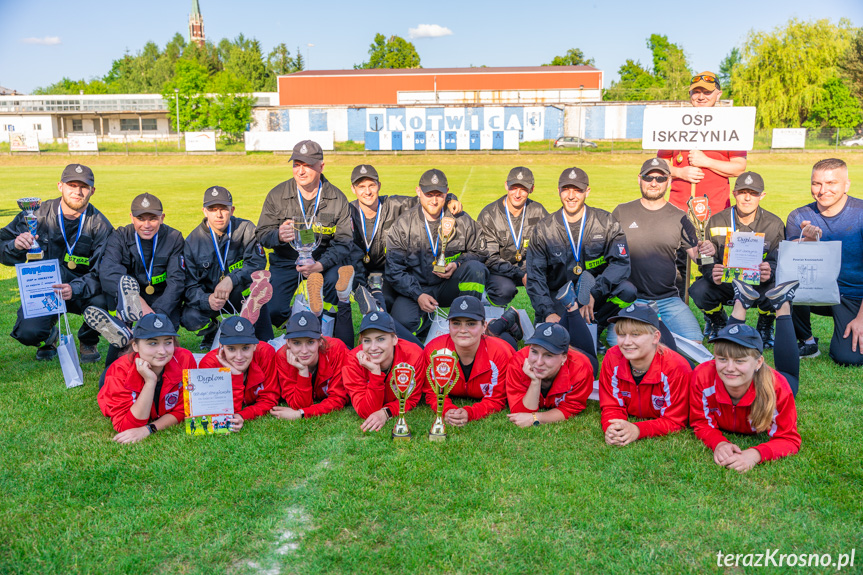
(465, 370)
(653, 237)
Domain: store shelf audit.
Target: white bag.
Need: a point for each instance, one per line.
(816, 266)
(68, 354)
(439, 326)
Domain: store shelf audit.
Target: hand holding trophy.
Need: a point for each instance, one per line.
(29, 205)
(699, 213)
(442, 376)
(307, 238)
(402, 384)
(445, 233)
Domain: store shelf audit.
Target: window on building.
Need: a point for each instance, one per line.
(128, 124)
(77, 125)
(37, 127)
(9, 127)
(149, 124)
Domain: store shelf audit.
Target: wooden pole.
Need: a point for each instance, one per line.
(688, 262)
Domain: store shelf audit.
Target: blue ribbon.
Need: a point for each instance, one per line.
(317, 202)
(576, 251)
(222, 260)
(69, 249)
(374, 231)
(148, 271)
(512, 229)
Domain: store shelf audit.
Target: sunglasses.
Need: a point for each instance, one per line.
(660, 179)
(705, 77)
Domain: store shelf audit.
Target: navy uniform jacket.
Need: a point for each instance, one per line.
(499, 242)
(765, 223)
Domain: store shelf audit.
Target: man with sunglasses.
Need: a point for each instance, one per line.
(708, 292)
(655, 232)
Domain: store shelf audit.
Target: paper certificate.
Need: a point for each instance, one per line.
(38, 298)
(744, 252)
(208, 400)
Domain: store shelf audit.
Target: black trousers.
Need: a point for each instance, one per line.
(194, 319)
(36, 330)
(786, 355)
(708, 296)
(285, 279)
(842, 314)
(500, 290)
(606, 306)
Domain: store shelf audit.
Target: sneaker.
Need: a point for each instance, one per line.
(566, 296)
(745, 293)
(781, 293)
(89, 354)
(513, 326)
(376, 282)
(713, 322)
(586, 281)
(129, 304)
(112, 329)
(345, 283)
(208, 333)
(46, 352)
(764, 327)
(260, 292)
(808, 349)
(366, 301)
(315, 285)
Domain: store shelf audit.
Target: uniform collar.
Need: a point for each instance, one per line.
(480, 363)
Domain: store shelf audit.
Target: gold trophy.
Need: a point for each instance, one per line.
(442, 376)
(29, 205)
(699, 213)
(445, 233)
(403, 384)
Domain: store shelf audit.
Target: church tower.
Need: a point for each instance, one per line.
(196, 24)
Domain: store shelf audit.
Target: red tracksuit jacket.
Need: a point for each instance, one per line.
(328, 389)
(487, 377)
(711, 412)
(369, 393)
(569, 391)
(123, 384)
(660, 398)
(257, 391)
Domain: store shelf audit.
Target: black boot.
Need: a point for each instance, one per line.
(764, 327)
(513, 326)
(713, 322)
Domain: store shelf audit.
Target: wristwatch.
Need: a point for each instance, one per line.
(152, 428)
(535, 420)
(302, 414)
(388, 413)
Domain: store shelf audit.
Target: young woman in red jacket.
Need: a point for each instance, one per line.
(548, 374)
(143, 389)
(366, 371)
(738, 392)
(310, 370)
(253, 369)
(482, 360)
(643, 378)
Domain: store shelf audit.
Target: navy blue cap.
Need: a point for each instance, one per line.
(550, 336)
(217, 195)
(237, 330)
(655, 165)
(639, 312)
(379, 320)
(303, 324)
(78, 173)
(364, 171)
(741, 334)
(308, 152)
(153, 325)
(433, 181)
(520, 176)
(146, 204)
(573, 177)
(467, 306)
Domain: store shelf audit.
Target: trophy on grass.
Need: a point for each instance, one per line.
(699, 213)
(445, 233)
(28, 206)
(307, 238)
(403, 384)
(442, 376)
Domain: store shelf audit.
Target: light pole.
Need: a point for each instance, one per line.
(177, 105)
(309, 56)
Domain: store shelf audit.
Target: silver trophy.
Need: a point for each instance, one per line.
(28, 206)
(307, 238)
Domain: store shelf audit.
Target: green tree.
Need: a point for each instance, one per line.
(852, 65)
(190, 79)
(837, 108)
(70, 87)
(573, 57)
(230, 109)
(244, 60)
(725, 70)
(670, 66)
(279, 63)
(395, 52)
(636, 83)
(782, 73)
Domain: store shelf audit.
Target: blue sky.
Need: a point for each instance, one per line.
(44, 40)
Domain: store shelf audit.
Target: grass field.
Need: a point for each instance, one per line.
(319, 496)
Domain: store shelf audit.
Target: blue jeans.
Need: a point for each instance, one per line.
(676, 315)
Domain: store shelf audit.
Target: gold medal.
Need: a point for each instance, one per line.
(222, 277)
(366, 258)
(518, 256)
(577, 270)
(679, 158)
(71, 265)
(150, 290)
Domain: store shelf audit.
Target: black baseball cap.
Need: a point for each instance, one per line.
(153, 325)
(308, 152)
(573, 177)
(303, 324)
(741, 334)
(552, 337)
(379, 320)
(433, 181)
(655, 165)
(364, 171)
(217, 195)
(639, 312)
(146, 204)
(237, 330)
(467, 306)
(78, 173)
(749, 181)
(520, 176)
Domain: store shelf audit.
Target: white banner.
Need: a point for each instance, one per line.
(285, 141)
(789, 138)
(24, 141)
(698, 128)
(82, 143)
(200, 141)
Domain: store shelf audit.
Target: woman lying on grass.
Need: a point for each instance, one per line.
(309, 370)
(253, 369)
(548, 374)
(738, 392)
(367, 368)
(641, 377)
(143, 389)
